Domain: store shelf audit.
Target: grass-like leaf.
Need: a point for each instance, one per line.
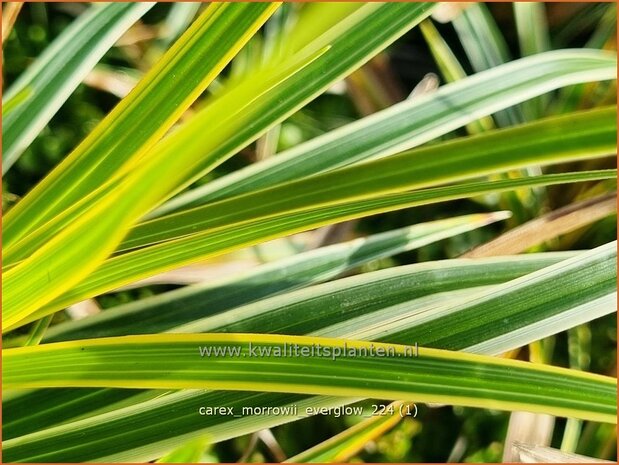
(533, 37)
(169, 408)
(174, 308)
(412, 122)
(143, 117)
(404, 125)
(127, 268)
(53, 77)
(432, 376)
(121, 210)
(344, 445)
(422, 167)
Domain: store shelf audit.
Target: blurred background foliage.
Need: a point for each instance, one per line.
(438, 434)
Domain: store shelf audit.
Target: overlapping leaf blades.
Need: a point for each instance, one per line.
(185, 305)
(411, 123)
(143, 117)
(175, 412)
(493, 312)
(44, 87)
(28, 286)
(72, 254)
(402, 126)
(571, 137)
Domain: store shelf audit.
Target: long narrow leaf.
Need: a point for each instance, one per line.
(265, 98)
(586, 278)
(549, 226)
(127, 268)
(342, 446)
(345, 367)
(174, 308)
(173, 415)
(532, 26)
(68, 264)
(579, 135)
(402, 126)
(315, 309)
(412, 122)
(28, 286)
(144, 116)
(350, 299)
(53, 77)
(486, 48)
(450, 68)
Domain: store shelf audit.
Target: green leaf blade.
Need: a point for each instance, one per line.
(53, 77)
(174, 308)
(150, 110)
(410, 123)
(431, 376)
